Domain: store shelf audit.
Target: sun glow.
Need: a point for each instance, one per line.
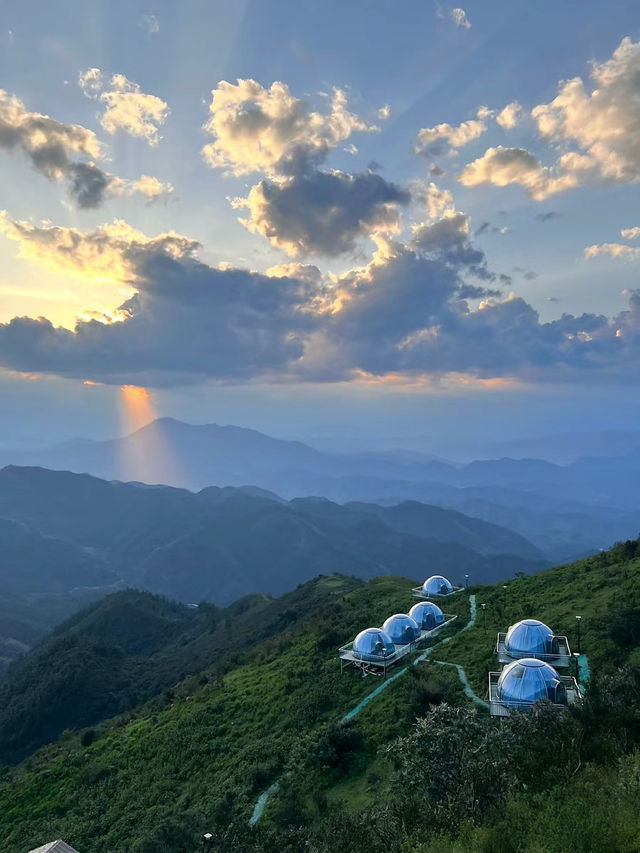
(136, 407)
(147, 455)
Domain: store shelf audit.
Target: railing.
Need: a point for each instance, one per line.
(418, 592)
(346, 652)
(561, 659)
(500, 708)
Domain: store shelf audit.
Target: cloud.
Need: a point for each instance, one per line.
(503, 166)
(488, 228)
(105, 254)
(299, 207)
(546, 217)
(630, 233)
(448, 239)
(55, 149)
(150, 24)
(49, 145)
(413, 310)
(322, 212)
(270, 131)
(127, 108)
(186, 320)
(146, 185)
(437, 201)
(596, 131)
(446, 137)
(509, 116)
(616, 250)
(459, 18)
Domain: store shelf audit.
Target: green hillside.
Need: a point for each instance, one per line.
(266, 709)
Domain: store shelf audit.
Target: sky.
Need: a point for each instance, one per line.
(355, 223)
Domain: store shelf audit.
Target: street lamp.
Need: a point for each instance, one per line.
(207, 838)
(579, 620)
(484, 613)
(466, 581)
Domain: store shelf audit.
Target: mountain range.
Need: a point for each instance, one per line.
(566, 511)
(67, 539)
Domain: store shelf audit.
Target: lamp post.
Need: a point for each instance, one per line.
(207, 840)
(579, 620)
(484, 616)
(466, 581)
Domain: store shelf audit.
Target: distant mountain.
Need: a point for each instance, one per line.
(68, 538)
(578, 508)
(567, 447)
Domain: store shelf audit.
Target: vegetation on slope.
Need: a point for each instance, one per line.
(197, 755)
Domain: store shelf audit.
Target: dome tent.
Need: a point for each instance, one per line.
(372, 644)
(437, 585)
(530, 680)
(427, 615)
(531, 638)
(402, 629)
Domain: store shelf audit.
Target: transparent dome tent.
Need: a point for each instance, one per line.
(526, 681)
(373, 644)
(530, 680)
(427, 614)
(437, 586)
(402, 629)
(531, 638)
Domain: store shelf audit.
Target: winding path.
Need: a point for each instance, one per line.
(264, 797)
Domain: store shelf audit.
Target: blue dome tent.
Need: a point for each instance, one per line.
(427, 614)
(402, 629)
(531, 638)
(530, 680)
(436, 586)
(372, 644)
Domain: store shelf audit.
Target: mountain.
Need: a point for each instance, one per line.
(567, 447)
(580, 507)
(259, 709)
(70, 535)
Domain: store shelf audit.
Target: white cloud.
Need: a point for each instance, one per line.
(127, 108)
(596, 130)
(630, 233)
(616, 250)
(438, 201)
(270, 131)
(459, 18)
(509, 116)
(504, 166)
(437, 140)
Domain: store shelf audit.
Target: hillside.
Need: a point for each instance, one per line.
(197, 756)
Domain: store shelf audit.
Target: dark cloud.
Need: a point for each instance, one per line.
(448, 239)
(55, 149)
(545, 217)
(323, 212)
(88, 185)
(414, 309)
(187, 320)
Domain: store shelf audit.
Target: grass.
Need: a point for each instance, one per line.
(201, 753)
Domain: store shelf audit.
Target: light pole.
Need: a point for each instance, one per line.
(579, 620)
(484, 616)
(207, 840)
(466, 581)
